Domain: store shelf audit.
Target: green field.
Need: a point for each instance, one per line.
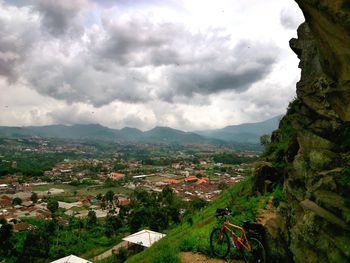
(82, 190)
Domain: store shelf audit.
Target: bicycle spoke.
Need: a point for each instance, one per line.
(219, 243)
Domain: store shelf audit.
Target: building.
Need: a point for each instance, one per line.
(171, 181)
(116, 176)
(145, 238)
(71, 259)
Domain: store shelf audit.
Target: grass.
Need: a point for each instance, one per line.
(82, 190)
(65, 187)
(195, 237)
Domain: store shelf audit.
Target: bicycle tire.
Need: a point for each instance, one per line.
(219, 243)
(257, 254)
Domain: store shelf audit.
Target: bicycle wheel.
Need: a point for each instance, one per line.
(219, 243)
(257, 254)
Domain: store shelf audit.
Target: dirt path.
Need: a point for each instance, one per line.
(109, 252)
(190, 257)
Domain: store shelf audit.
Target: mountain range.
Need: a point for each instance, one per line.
(243, 133)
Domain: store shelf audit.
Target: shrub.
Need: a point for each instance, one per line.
(278, 196)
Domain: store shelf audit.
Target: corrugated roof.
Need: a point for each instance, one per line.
(144, 238)
(71, 259)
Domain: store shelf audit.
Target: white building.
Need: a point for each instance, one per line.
(71, 259)
(145, 238)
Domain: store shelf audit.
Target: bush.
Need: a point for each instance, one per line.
(121, 256)
(278, 196)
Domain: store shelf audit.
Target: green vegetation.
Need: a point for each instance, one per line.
(278, 196)
(31, 164)
(280, 150)
(231, 158)
(194, 236)
(17, 201)
(51, 240)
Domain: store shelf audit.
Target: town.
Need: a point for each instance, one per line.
(83, 180)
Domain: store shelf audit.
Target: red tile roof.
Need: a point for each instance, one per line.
(171, 181)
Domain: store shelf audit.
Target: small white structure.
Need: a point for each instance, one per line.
(4, 186)
(144, 238)
(71, 259)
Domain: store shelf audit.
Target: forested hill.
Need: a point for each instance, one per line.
(98, 132)
(243, 133)
(248, 133)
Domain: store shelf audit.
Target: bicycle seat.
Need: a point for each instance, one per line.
(222, 212)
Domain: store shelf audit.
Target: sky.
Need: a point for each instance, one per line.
(185, 64)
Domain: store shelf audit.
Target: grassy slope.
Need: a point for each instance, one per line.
(196, 237)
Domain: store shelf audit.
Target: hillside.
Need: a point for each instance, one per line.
(96, 132)
(243, 133)
(306, 166)
(195, 236)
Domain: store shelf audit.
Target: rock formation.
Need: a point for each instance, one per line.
(310, 152)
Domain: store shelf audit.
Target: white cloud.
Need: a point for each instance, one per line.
(146, 63)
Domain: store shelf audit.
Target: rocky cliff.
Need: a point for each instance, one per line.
(309, 156)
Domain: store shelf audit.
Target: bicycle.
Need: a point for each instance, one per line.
(244, 241)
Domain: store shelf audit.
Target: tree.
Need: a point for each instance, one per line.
(159, 220)
(5, 235)
(168, 195)
(52, 205)
(17, 201)
(112, 224)
(34, 198)
(109, 197)
(198, 203)
(99, 196)
(121, 256)
(91, 218)
(136, 219)
(265, 139)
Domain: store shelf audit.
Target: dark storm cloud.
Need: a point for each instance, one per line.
(138, 42)
(17, 35)
(19, 3)
(247, 63)
(117, 60)
(80, 82)
(59, 17)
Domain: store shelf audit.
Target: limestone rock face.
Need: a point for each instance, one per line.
(311, 149)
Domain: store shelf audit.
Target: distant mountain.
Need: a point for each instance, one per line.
(98, 132)
(236, 135)
(79, 131)
(243, 133)
(166, 134)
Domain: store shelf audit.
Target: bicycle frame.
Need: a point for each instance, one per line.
(242, 239)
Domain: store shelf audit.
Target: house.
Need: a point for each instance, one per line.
(203, 180)
(145, 238)
(71, 259)
(176, 165)
(116, 176)
(191, 178)
(5, 201)
(22, 226)
(122, 201)
(4, 187)
(171, 181)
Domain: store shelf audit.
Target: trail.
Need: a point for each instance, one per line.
(190, 257)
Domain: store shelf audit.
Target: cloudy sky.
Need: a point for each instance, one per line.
(187, 64)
